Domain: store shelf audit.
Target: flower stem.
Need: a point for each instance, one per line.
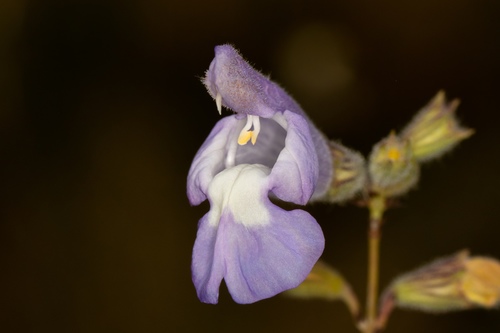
(377, 205)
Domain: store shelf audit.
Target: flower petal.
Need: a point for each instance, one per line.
(207, 269)
(244, 89)
(256, 262)
(295, 174)
(258, 248)
(240, 87)
(266, 260)
(210, 158)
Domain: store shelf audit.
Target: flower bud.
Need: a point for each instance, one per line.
(481, 283)
(452, 283)
(349, 173)
(326, 283)
(392, 167)
(435, 129)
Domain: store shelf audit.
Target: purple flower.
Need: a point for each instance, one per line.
(268, 148)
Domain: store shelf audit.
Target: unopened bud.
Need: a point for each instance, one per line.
(481, 283)
(349, 173)
(325, 282)
(453, 283)
(392, 168)
(435, 129)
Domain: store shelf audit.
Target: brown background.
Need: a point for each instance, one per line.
(101, 112)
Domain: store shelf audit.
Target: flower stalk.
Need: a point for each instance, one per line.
(376, 206)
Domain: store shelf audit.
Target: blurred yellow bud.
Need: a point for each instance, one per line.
(324, 282)
(392, 167)
(435, 129)
(349, 173)
(453, 283)
(481, 283)
(434, 287)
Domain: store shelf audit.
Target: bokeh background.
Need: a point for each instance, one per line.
(101, 112)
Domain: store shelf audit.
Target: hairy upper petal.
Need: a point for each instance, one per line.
(245, 90)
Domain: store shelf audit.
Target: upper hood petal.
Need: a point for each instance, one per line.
(239, 87)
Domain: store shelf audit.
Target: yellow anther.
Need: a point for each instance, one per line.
(250, 131)
(254, 137)
(245, 136)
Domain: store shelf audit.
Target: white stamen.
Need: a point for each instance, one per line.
(218, 102)
(231, 154)
(251, 130)
(249, 124)
(256, 128)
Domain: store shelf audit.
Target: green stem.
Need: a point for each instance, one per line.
(377, 207)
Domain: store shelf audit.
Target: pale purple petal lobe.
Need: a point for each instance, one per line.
(264, 261)
(256, 262)
(207, 268)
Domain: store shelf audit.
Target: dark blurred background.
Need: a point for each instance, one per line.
(102, 111)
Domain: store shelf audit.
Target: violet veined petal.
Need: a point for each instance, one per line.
(263, 261)
(257, 262)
